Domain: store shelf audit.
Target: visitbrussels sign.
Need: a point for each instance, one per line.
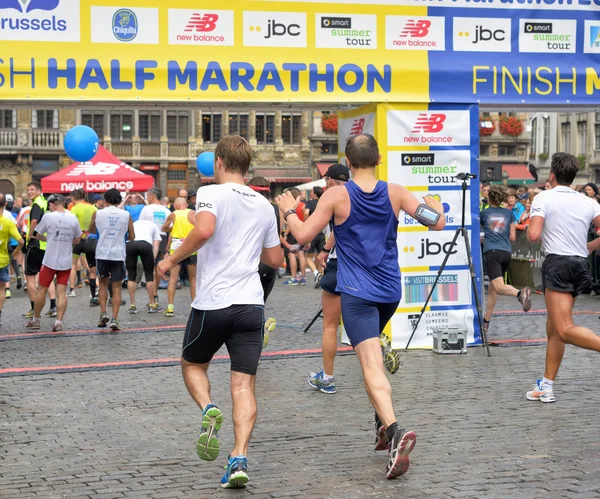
(494, 51)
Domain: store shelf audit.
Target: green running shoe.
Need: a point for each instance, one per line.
(207, 445)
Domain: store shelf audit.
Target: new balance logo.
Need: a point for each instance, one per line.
(416, 28)
(202, 23)
(429, 123)
(357, 127)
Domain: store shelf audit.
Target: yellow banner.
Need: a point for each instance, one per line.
(239, 51)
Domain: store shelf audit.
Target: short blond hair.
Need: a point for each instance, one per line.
(235, 152)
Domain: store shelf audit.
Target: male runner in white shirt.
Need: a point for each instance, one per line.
(561, 218)
(235, 230)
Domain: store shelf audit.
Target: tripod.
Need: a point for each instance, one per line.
(461, 231)
(318, 315)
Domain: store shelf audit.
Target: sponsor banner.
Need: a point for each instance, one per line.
(274, 29)
(339, 31)
(481, 34)
(201, 27)
(549, 36)
(591, 38)
(505, 5)
(429, 248)
(451, 201)
(403, 324)
(428, 128)
(124, 25)
(422, 168)
(453, 288)
(354, 125)
(97, 186)
(414, 33)
(39, 21)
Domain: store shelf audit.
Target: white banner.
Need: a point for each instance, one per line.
(427, 168)
(124, 25)
(364, 123)
(428, 128)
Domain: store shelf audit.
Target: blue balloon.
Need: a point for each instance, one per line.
(206, 163)
(81, 143)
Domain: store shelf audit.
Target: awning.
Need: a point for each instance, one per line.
(517, 172)
(103, 172)
(323, 167)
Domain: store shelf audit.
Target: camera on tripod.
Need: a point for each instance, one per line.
(465, 176)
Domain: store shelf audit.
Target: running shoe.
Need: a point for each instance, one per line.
(303, 281)
(270, 325)
(79, 284)
(7, 293)
(318, 281)
(381, 439)
(28, 315)
(33, 323)
(207, 445)
(318, 383)
(391, 358)
(133, 309)
(71, 293)
(291, 282)
(104, 319)
(110, 302)
(94, 302)
(236, 474)
(115, 325)
(19, 282)
(399, 448)
(153, 308)
(170, 312)
(525, 299)
(51, 312)
(544, 394)
(57, 326)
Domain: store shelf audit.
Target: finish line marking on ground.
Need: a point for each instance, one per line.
(180, 327)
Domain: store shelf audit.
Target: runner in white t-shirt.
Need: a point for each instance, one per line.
(60, 229)
(235, 230)
(561, 218)
(145, 247)
(155, 212)
(113, 225)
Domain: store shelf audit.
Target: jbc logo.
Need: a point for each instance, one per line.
(275, 28)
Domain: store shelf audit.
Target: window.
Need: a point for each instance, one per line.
(533, 152)
(238, 124)
(329, 148)
(178, 125)
(265, 128)
(506, 115)
(150, 125)
(176, 175)
(121, 125)
(46, 119)
(507, 150)
(95, 120)
(8, 118)
(484, 149)
(211, 127)
(565, 129)
(291, 128)
(581, 137)
(597, 117)
(546, 137)
(597, 136)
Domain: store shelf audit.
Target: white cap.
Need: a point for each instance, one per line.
(9, 197)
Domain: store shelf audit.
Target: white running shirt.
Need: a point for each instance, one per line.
(146, 231)
(156, 213)
(112, 224)
(567, 217)
(60, 229)
(227, 270)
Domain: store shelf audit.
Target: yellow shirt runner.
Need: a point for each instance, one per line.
(8, 229)
(181, 228)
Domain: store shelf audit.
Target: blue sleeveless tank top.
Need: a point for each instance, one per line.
(366, 247)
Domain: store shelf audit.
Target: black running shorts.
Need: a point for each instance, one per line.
(111, 268)
(144, 251)
(239, 328)
(566, 274)
(268, 276)
(33, 261)
(90, 252)
(79, 248)
(329, 279)
(497, 262)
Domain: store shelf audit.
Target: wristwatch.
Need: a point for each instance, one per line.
(288, 213)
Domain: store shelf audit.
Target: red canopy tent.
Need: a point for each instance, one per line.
(103, 172)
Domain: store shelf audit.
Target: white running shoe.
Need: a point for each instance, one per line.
(546, 395)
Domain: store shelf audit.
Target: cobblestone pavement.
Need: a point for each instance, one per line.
(120, 432)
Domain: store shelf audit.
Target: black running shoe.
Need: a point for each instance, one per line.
(398, 450)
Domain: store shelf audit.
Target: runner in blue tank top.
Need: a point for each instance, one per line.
(365, 214)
